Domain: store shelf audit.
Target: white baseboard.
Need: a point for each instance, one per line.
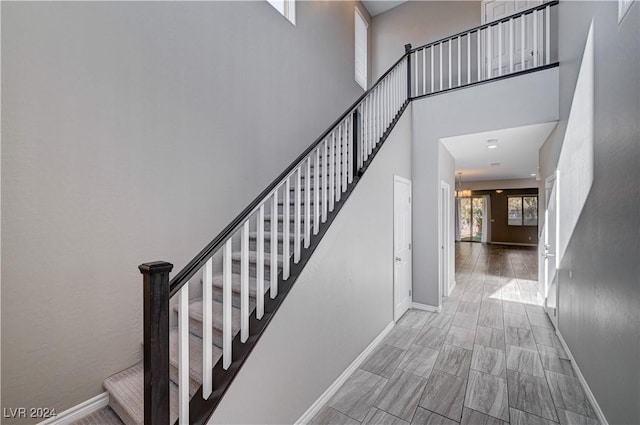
(79, 411)
(585, 386)
(451, 288)
(335, 386)
(425, 307)
(513, 243)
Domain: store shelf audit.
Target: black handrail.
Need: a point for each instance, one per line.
(488, 24)
(203, 256)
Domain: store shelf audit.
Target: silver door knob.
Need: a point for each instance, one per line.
(398, 259)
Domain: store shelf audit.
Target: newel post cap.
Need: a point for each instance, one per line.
(407, 48)
(155, 267)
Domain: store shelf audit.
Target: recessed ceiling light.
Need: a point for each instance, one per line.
(532, 174)
(492, 143)
(495, 164)
(492, 146)
(499, 191)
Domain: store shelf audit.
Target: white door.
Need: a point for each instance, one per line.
(493, 10)
(444, 237)
(549, 257)
(401, 245)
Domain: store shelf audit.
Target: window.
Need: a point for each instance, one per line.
(361, 27)
(522, 210)
(286, 7)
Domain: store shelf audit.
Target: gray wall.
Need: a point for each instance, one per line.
(418, 23)
(135, 132)
(343, 298)
(599, 289)
(484, 107)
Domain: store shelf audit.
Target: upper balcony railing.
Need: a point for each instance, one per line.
(518, 43)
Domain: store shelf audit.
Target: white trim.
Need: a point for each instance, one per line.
(425, 307)
(512, 243)
(79, 411)
(585, 386)
(451, 288)
(335, 386)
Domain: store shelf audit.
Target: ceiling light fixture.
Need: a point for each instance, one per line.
(492, 143)
(495, 164)
(533, 174)
(459, 192)
(499, 191)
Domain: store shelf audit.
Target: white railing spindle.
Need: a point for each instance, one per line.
(307, 204)
(479, 39)
(441, 76)
(459, 65)
(547, 24)
(332, 171)
(500, 49)
(316, 194)
(273, 279)
(424, 71)
(433, 80)
(489, 52)
(511, 47)
(523, 20)
(325, 171)
(450, 72)
(338, 167)
(260, 264)
(183, 354)
(207, 329)
(468, 58)
(297, 212)
(244, 282)
(286, 222)
(535, 38)
(226, 305)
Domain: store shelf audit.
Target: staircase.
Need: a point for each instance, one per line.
(126, 392)
(246, 272)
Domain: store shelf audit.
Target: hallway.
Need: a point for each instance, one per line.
(490, 357)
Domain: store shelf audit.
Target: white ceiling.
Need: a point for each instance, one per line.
(517, 152)
(376, 7)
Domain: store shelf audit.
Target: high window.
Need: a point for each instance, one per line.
(361, 28)
(523, 210)
(286, 7)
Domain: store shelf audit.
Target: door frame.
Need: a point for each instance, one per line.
(400, 179)
(551, 182)
(444, 240)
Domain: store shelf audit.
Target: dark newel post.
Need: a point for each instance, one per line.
(356, 142)
(156, 342)
(407, 50)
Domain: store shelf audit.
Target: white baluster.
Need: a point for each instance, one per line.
(450, 43)
(424, 71)
(523, 20)
(479, 33)
(441, 76)
(244, 282)
(433, 80)
(332, 168)
(307, 204)
(183, 354)
(489, 53)
(500, 49)
(274, 244)
(325, 183)
(316, 194)
(415, 60)
(207, 328)
(547, 29)
(337, 160)
(297, 213)
(535, 38)
(459, 65)
(260, 264)
(346, 153)
(226, 305)
(511, 64)
(468, 58)
(286, 254)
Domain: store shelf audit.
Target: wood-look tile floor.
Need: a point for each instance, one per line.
(489, 357)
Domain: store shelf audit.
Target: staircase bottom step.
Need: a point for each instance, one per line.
(126, 395)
